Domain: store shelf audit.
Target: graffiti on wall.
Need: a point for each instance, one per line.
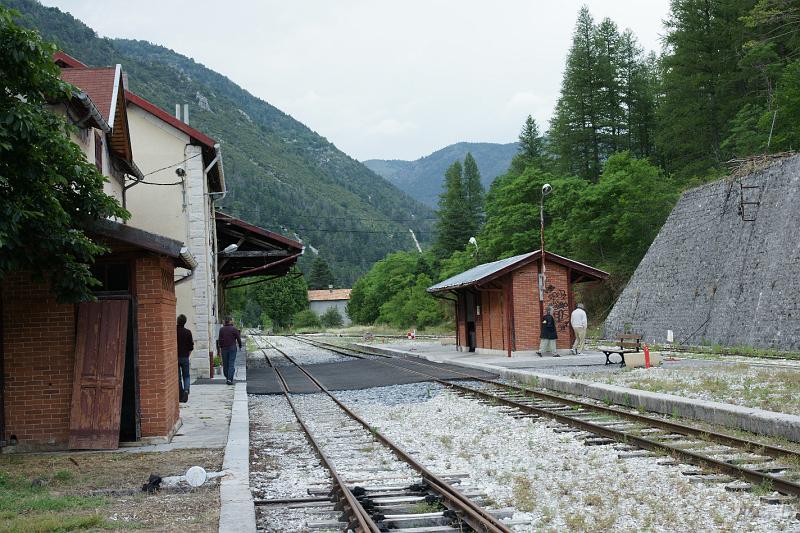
(561, 312)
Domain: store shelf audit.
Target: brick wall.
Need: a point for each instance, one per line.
(39, 357)
(38, 349)
(491, 323)
(158, 360)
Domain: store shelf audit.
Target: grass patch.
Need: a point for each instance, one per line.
(51, 523)
(29, 506)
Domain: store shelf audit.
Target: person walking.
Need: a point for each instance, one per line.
(228, 342)
(548, 334)
(185, 347)
(579, 324)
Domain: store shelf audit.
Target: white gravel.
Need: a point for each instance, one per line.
(302, 353)
(551, 478)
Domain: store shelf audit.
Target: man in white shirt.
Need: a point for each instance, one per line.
(579, 323)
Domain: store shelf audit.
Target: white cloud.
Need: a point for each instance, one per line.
(390, 79)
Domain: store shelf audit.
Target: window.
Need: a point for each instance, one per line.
(98, 151)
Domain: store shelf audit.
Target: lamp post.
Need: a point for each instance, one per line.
(546, 189)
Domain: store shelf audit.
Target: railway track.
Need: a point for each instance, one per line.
(739, 463)
(376, 486)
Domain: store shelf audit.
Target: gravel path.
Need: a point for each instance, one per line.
(551, 478)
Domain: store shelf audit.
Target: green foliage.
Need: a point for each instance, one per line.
(331, 318)
(306, 319)
(703, 85)
(49, 192)
(393, 292)
(276, 300)
(460, 214)
(473, 195)
(320, 276)
(607, 101)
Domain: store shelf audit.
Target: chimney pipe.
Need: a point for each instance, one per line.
(186, 113)
(178, 111)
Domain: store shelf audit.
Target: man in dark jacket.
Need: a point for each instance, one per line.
(548, 334)
(227, 342)
(185, 347)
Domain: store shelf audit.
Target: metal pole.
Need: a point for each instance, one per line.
(541, 235)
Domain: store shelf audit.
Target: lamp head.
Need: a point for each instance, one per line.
(546, 189)
(230, 249)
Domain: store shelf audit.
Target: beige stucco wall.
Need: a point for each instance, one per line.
(180, 211)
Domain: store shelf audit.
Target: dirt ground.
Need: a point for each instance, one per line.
(101, 491)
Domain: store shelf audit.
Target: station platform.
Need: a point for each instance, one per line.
(353, 375)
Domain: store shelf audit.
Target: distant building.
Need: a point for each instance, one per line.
(723, 268)
(497, 304)
(322, 300)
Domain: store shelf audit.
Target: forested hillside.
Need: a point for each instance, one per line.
(631, 130)
(423, 179)
(281, 175)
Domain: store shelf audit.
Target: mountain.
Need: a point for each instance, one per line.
(281, 175)
(422, 179)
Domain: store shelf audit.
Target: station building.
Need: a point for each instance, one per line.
(497, 305)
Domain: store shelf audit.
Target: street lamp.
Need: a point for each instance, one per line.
(546, 189)
(474, 241)
(229, 249)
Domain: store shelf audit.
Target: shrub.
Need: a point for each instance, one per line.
(306, 319)
(331, 318)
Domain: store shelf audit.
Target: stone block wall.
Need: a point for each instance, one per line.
(712, 277)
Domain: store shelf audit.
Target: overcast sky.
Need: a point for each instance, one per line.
(381, 79)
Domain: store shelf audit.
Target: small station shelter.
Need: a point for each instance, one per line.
(497, 304)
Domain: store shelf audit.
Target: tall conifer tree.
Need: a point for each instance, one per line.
(473, 195)
(452, 226)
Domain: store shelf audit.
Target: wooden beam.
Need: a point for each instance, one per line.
(256, 253)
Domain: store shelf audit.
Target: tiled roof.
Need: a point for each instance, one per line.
(329, 294)
(99, 84)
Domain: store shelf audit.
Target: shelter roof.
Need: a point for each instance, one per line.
(144, 240)
(260, 252)
(326, 295)
(488, 271)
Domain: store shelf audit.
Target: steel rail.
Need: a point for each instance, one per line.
(474, 515)
(719, 438)
(361, 520)
(753, 476)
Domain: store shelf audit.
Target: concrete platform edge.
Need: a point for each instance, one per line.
(237, 512)
(757, 421)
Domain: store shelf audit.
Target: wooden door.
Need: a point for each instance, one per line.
(99, 370)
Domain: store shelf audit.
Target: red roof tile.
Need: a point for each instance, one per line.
(64, 60)
(98, 83)
(328, 295)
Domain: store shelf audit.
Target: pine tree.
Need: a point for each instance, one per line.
(574, 127)
(452, 226)
(530, 143)
(320, 276)
(704, 86)
(473, 195)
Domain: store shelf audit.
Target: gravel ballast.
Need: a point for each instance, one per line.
(551, 478)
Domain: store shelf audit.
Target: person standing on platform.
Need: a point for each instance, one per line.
(579, 325)
(185, 347)
(548, 334)
(228, 342)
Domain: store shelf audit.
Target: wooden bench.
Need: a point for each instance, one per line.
(628, 343)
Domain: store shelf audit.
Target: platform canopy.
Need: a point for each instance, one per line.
(487, 272)
(259, 252)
